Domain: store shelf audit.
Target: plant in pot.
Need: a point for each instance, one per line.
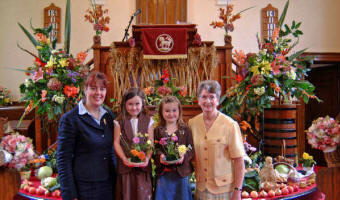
(272, 76)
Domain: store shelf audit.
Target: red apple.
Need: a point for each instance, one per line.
(263, 194)
(26, 188)
(57, 193)
(285, 191)
(254, 194)
(278, 192)
(32, 190)
(271, 193)
(40, 191)
(245, 194)
(296, 188)
(47, 193)
(290, 189)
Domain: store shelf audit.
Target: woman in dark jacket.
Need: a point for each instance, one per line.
(85, 153)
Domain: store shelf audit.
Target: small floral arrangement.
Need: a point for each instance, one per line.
(164, 87)
(5, 98)
(307, 160)
(95, 15)
(274, 73)
(324, 133)
(227, 18)
(170, 147)
(56, 77)
(139, 149)
(18, 151)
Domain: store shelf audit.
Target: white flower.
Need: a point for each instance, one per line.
(27, 82)
(259, 91)
(58, 99)
(291, 74)
(149, 142)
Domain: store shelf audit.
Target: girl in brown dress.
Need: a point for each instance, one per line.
(133, 181)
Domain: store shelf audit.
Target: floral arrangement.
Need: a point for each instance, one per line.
(140, 148)
(307, 160)
(95, 15)
(5, 98)
(324, 133)
(18, 151)
(170, 147)
(274, 73)
(227, 18)
(56, 77)
(164, 87)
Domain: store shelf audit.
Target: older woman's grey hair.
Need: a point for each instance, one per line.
(211, 86)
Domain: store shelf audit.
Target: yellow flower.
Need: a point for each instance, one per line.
(305, 155)
(265, 67)
(139, 135)
(51, 62)
(182, 149)
(149, 142)
(63, 62)
(255, 70)
(39, 47)
(146, 135)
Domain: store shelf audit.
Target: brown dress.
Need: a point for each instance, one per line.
(133, 183)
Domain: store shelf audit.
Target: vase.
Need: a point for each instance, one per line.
(332, 156)
(25, 175)
(279, 131)
(307, 169)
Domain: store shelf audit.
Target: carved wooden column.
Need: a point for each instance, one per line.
(228, 60)
(96, 52)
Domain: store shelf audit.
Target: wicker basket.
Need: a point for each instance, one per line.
(333, 158)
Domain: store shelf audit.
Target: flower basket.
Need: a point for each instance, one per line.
(332, 158)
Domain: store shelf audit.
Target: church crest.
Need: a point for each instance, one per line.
(164, 43)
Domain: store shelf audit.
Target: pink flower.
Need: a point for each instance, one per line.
(174, 138)
(136, 140)
(38, 75)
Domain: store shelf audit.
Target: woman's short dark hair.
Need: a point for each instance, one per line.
(94, 77)
(211, 86)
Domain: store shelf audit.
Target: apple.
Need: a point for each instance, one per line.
(278, 192)
(245, 194)
(32, 190)
(40, 191)
(26, 188)
(285, 191)
(47, 193)
(254, 194)
(263, 194)
(271, 193)
(290, 189)
(296, 188)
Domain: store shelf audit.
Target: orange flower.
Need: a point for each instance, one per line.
(134, 152)
(141, 155)
(43, 95)
(29, 107)
(275, 87)
(41, 37)
(183, 92)
(240, 57)
(71, 91)
(81, 56)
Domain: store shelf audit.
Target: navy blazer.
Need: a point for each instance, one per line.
(85, 150)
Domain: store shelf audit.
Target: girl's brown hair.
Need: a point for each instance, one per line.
(170, 99)
(129, 94)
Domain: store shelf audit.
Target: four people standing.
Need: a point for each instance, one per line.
(86, 159)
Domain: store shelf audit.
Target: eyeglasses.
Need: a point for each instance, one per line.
(206, 97)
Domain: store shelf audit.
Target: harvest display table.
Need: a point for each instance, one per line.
(25, 195)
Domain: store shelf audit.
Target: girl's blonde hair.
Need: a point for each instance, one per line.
(170, 99)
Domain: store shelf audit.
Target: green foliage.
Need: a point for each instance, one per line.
(251, 181)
